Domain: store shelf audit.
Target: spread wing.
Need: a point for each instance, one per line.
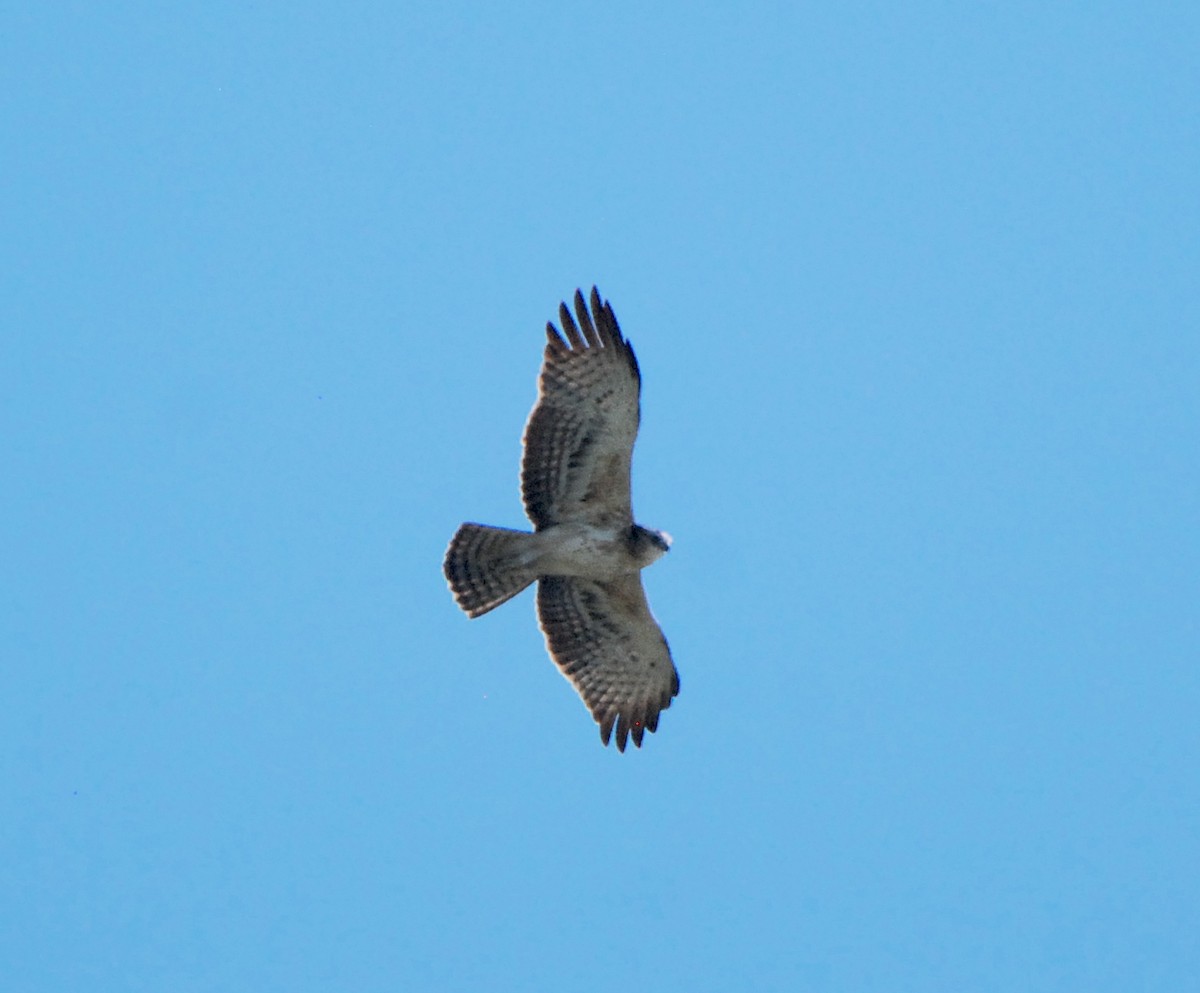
(579, 439)
(605, 640)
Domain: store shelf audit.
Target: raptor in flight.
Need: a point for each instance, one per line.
(585, 553)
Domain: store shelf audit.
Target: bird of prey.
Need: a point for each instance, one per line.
(585, 553)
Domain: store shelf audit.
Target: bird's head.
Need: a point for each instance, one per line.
(649, 545)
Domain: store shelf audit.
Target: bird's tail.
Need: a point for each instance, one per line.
(486, 566)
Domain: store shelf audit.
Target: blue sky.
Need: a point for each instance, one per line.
(913, 289)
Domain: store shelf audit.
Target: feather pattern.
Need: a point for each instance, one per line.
(606, 642)
(580, 435)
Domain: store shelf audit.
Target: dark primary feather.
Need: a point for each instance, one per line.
(580, 435)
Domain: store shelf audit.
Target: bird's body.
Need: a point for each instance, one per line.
(585, 552)
(594, 553)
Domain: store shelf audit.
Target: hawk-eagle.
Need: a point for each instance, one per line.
(585, 552)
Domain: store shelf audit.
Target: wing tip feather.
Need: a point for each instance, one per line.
(573, 336)
(597, 327)
(589, 327)
(620, 726)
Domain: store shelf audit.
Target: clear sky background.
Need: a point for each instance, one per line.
(914, 292)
